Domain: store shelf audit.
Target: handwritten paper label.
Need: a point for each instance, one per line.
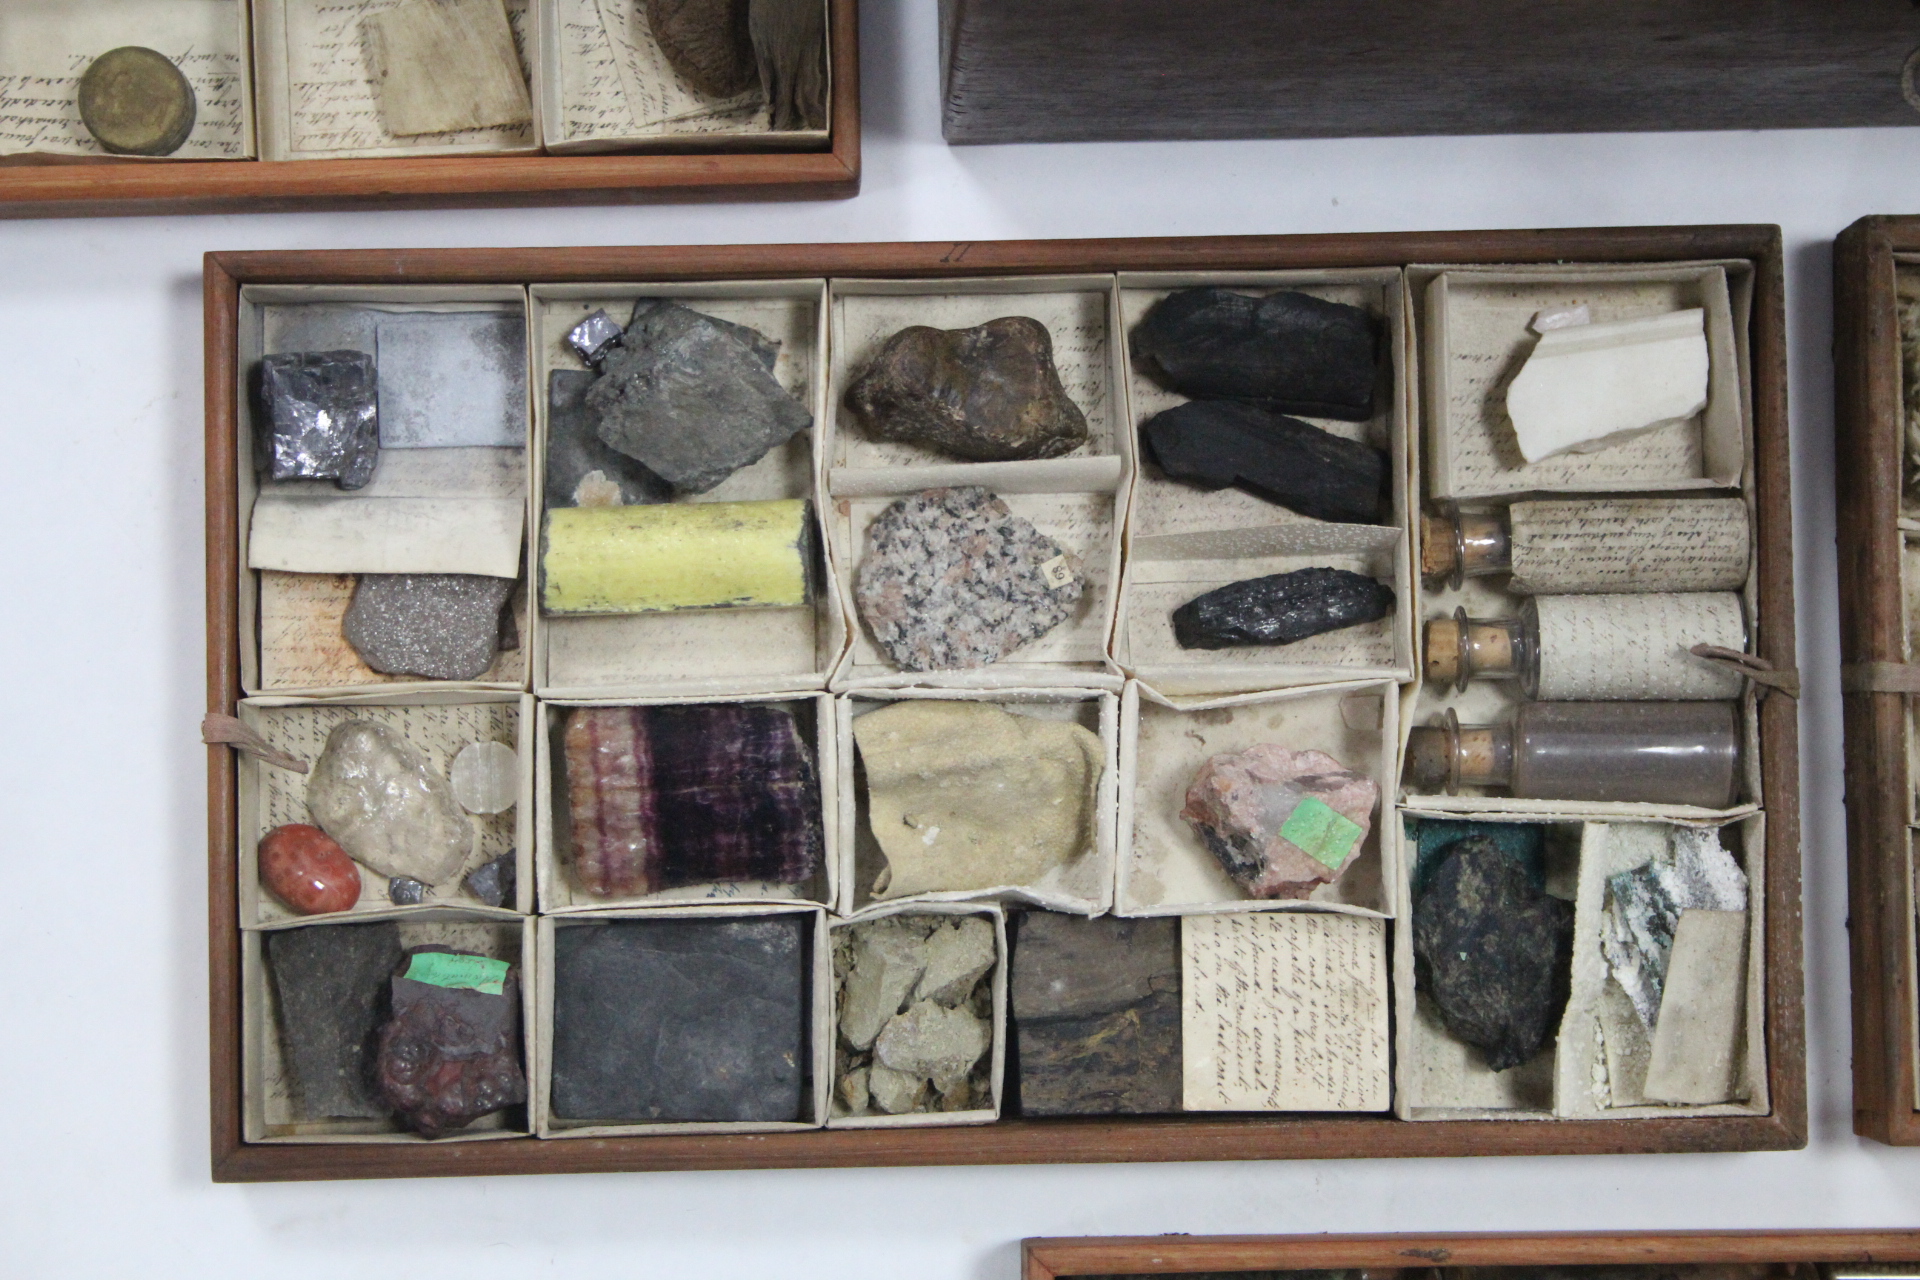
(448, 969)
(1647, 544)
(1284, 1011)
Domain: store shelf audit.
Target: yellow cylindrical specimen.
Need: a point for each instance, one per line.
(682, 555)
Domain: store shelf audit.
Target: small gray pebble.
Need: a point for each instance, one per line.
(493, 882)
(405, 891)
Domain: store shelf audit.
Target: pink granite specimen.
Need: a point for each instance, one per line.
(1282, 823)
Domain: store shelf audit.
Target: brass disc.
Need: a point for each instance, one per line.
(135, 102)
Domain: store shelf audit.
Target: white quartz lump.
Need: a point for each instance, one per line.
(1585, 387)
(387, 806)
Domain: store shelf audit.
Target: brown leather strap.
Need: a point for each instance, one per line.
(1752, 666)
(1880, 677)
(225, 731)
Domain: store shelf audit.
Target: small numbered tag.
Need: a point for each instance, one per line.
(1056, 572)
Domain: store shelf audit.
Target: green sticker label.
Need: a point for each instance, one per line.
(1323, 834)
(443, 969)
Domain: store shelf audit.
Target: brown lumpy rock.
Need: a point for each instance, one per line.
(1282, 823)
(952, 578)
(706, 42)
(450, 1054)
(986, 394)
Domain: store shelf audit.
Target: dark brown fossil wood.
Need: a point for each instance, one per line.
(790, 46)
(706, 41)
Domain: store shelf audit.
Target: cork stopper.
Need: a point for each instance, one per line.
(1460, 649)
(1448, 756)
(1456, 545)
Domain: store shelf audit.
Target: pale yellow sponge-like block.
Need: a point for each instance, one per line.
(694, 555)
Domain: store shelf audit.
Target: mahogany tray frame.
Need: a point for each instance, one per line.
(1015, 1141)
(1044, 1258)
(1867, 474)
(74, 188)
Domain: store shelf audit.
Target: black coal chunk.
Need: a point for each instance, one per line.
(663, 1020)
(1493, 951)
(1216, 443)
(330, 982)
(1096, 1015)
(576, 451)
(320, 417)
(1302, 353)
(1280, 608)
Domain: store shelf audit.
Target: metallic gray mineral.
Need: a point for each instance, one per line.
(330, 985)
(952, 578)
(691, 398)
(440, 626)
(405, 891)
(320, 417)
(664, 1020)
(593, 337)
(582, 469)
(493, 882)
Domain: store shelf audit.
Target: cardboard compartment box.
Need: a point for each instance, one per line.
(323, 138)
(560, 889)
(812, 995)
(1183, 540)
(272, 1105)
(1876, 276)
(437, 726)
(697, 650)
(1082, 885)
(1769, 1113)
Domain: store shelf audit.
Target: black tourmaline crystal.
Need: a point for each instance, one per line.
(1493, 951)
(321, 417)
(1280, 608)
(451, 1054)
(1301, 353)
(1215, 443)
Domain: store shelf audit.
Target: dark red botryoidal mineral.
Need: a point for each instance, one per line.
(665, 796)
(451, 1054)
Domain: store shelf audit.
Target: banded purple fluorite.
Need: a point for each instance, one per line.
(666, 796)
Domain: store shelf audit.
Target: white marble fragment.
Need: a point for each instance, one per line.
(1697, 1036)
(1561, 318)
(1644, 906)
(1586, 387)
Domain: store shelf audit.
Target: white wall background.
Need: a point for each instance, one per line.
(103, 1164)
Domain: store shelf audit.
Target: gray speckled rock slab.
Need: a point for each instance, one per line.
(1096, 1014)
(681, 1019)
(582, 469)
(440, 626)
(692, 398)
(330, 983)
(952, 578)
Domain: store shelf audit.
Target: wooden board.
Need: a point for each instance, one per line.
(1045, 1259)
(1023, 1141)
(90, 189)
(1868, 430)
(1078, 70)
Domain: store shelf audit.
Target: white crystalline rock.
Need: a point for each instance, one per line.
(1585, 387)
(1560, 318)
(1644, 906)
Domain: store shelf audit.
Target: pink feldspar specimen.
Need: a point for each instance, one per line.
(1281, 822)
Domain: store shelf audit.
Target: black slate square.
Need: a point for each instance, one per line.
(330, 989)
(681, 1020)
(1096, 1015)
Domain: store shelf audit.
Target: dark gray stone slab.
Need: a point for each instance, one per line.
(663, 1020)
(441, 626)
(1300, 353)
(1280, 608)
(575, 451)
(1096, 1014)
(330, 985)
(1215, 443)
(692, 398)
(320, 417)
(1493, 951)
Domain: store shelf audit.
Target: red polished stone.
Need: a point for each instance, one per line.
(304, 868)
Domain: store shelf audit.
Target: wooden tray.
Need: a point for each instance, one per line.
(1083, 70)
(1191, 1137)
(1425, 1255)
(1868, 430)
(80, 188)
